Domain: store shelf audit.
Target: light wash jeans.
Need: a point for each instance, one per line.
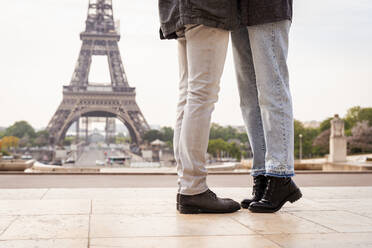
(202, 54)
(260, 56)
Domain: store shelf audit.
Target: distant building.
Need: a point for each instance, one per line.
(311, 124)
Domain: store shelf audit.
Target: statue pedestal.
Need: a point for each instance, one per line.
(337, 151)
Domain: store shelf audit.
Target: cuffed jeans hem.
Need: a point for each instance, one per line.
(279, 170)
(255, 173)
(279, 174)
(193, 191)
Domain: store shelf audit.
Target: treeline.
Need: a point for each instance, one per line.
(229, 141)
(223, 141)
(22, 134)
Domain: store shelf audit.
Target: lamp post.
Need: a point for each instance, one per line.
(300, 136)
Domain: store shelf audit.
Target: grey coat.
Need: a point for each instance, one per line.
(224, 14)
(255, 12)
(175, 14)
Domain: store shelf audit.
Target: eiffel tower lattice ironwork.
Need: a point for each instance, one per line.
(83, 99)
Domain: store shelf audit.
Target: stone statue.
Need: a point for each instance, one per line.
(337, 141)
(337, 127)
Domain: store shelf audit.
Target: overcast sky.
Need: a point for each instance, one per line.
(330, 59)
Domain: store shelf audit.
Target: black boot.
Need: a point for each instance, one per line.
(206, 202)
(259, 186)
(278, 192)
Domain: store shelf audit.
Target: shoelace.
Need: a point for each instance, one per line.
(269, 189)
(212, 194)
(257, 185)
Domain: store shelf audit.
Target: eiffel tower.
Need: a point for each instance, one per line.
(82, 99)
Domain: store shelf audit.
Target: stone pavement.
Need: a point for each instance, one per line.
(146, 217)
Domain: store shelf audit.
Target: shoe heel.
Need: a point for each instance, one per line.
(188, 210)
(295, 196)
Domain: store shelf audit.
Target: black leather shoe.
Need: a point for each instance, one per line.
(278, 192)
(206, 202)
(259, 186)
(178, 201)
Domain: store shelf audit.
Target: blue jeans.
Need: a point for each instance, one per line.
(260, 56)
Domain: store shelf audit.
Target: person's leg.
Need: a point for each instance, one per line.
(251, 112)
(182, 91)
(269, 44)
(249, 105)
(206, 53)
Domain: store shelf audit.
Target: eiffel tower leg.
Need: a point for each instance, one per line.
(113, 131)
(106, 131)
(77, 131)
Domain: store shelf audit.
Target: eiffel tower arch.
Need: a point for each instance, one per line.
(84, 99)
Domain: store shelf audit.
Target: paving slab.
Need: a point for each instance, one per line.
(106, 226)
(111, 193)
(5, 222)
(321, 193)
(44, 207)
(185, 242)
(22, 194)
(141, 207)
(48, 227)
(49, 243)
(280, 222)
(340, 221)
(329, 240)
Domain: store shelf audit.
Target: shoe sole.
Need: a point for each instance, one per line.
(295, 196)
(196, 210)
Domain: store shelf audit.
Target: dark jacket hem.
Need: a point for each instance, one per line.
(168, 29)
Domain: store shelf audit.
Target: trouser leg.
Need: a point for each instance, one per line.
(206, 49)
(269, 46)
(249, 105)
(182, 91)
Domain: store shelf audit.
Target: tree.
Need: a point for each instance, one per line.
(20, 129)
(2, 133)
(25, 141)
(152, 135)
(361, 140)
(167, 134)
(42, 138)
(243, 137)
(69, 140)
(358, 114)
(227, 133)
(9, 142)
(365, 114)
(321, 143)
(216, 146)
(234, 151)
(164, 134)
(326, 124)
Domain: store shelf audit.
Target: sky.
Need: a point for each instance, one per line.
(330, 60)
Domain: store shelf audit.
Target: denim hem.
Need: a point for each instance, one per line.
(280, 170)
(270, 174)
(255, 173)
